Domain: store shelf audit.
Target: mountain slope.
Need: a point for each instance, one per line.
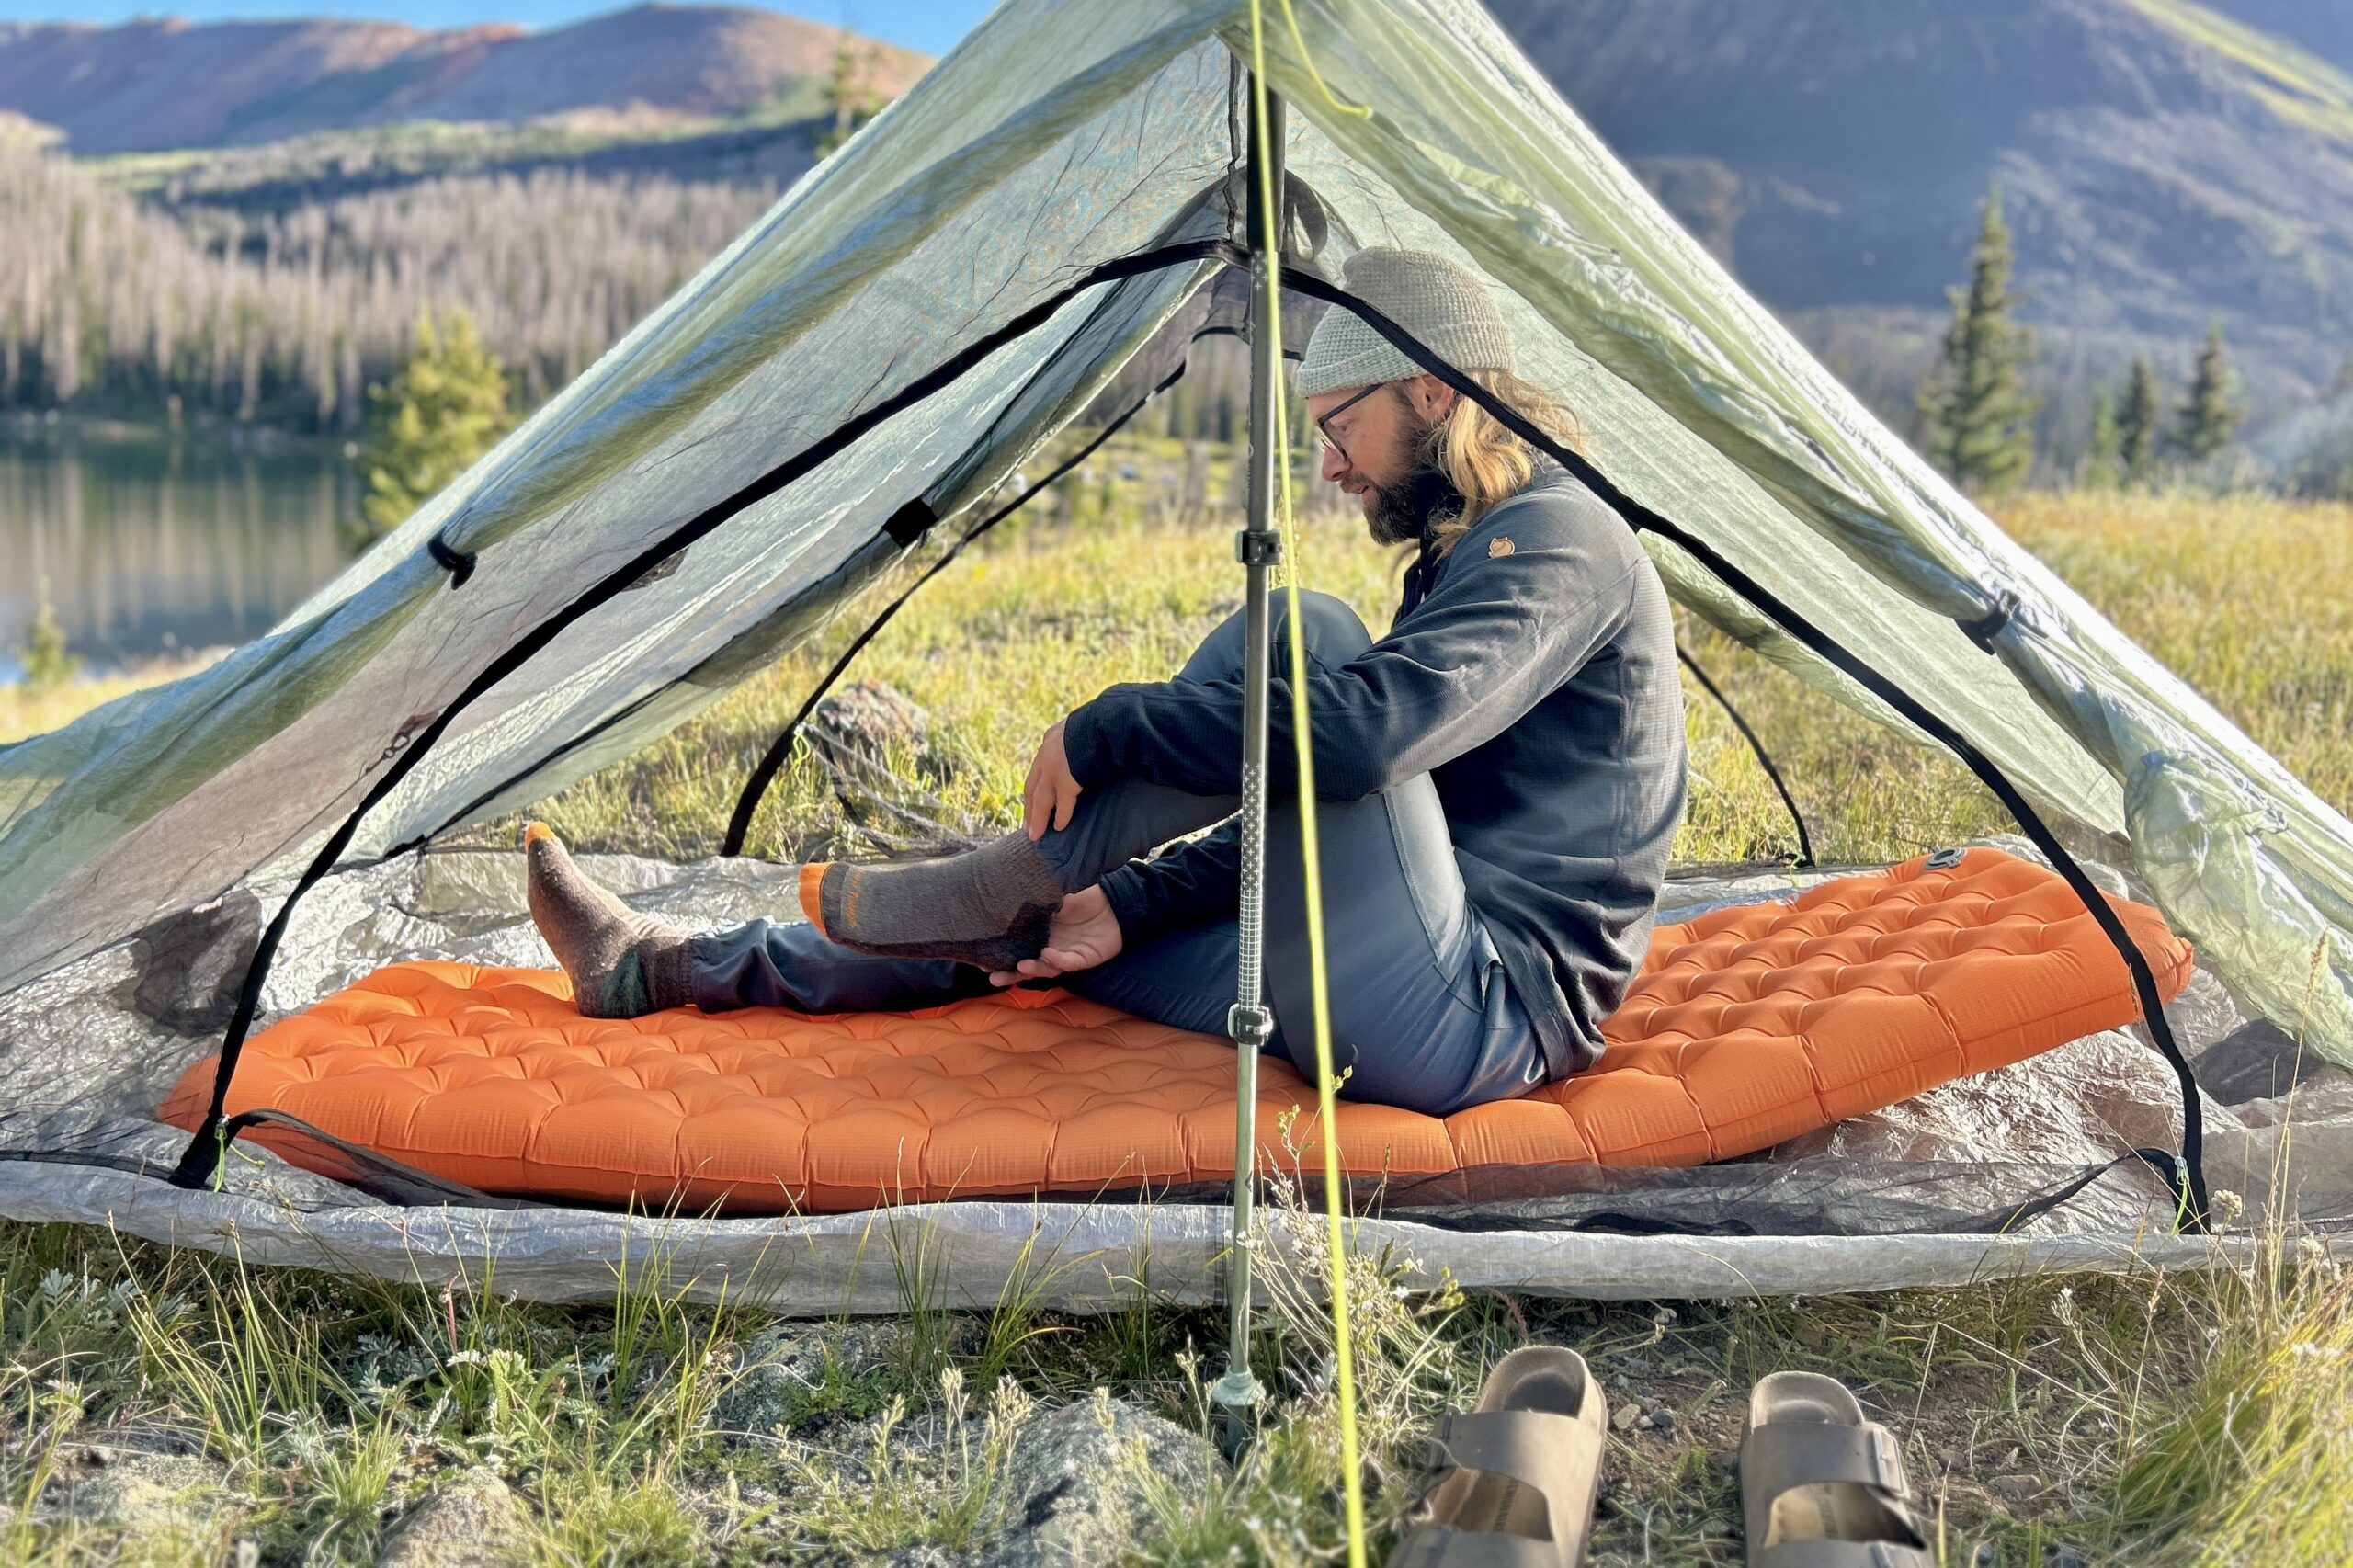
(166, 84)
(2161, 168)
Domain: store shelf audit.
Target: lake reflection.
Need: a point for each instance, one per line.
(156, 547)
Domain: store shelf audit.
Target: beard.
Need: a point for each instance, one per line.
(1400, 512)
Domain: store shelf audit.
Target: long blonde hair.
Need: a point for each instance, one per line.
(1485, 461)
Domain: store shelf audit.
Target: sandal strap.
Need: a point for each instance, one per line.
(1558, 1456)
(1525, 1444)
(1778, 1456)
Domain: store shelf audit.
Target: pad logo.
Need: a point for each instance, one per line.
(1499, 547)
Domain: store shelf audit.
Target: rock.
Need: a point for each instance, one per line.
(140, 1493)
(2014, 1488)
(1625, 1416)
(791, 1373)
(870, 719)
(1075, 1484)
(475, 1521)
(885, 760)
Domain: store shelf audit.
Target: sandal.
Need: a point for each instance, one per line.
(1820, 1486)
(1519, 1474)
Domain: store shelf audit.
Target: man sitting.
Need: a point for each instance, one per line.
(1499, 779)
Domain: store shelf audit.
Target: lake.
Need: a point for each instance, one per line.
(157, 547)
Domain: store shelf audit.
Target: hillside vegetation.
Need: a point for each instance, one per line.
(165, 82)
(109, 305)
(2162, 164)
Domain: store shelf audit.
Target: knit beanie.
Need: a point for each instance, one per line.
(1442, 303)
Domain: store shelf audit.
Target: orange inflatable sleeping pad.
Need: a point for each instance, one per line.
(1746, 1027)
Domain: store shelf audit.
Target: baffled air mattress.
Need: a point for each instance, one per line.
(1745, 1027)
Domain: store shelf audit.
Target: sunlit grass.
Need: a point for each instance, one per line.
(27, 710)
(2250, 598)
(2172, 1419)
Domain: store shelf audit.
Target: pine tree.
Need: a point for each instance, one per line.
(2137, 420)
(850, 92)
(2210, 415)
(445, 407)
(2104, 463)
(47, 666)
(1978, 417)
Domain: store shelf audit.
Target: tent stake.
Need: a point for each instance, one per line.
(1258, 547)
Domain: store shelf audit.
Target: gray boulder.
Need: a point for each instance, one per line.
(793, 1374)
(475, 1521)
(1074, 1485)
(143, 1494)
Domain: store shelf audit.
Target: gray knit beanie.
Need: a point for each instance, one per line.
(1441, 303)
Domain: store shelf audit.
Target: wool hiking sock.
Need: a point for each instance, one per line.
(991, 906)
(622, 965)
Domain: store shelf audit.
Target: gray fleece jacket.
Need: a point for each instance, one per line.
(1532, 671)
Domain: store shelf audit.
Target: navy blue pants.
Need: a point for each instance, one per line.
(1422, 1016)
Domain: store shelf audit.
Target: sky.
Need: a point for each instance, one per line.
(932, 25)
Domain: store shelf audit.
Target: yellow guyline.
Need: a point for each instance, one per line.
(1327, 1089)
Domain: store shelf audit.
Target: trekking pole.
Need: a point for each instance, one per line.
(1258, 547)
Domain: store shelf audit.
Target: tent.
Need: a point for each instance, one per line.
(1061, 198)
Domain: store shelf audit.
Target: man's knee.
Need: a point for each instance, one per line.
(1335, 635)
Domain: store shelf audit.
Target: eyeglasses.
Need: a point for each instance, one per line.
(1331, 442)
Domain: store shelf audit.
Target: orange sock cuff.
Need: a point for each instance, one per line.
(812, 879)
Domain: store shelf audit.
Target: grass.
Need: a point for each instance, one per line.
(2250, 599)
(2167, 1419)
(27, 710)
(2179, 1420)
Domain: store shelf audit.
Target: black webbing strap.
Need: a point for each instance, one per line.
(2171, 1169)
(203, 1154)
(1987, 627)
(380, 1173)
(755, 788)
(459, 563)
(1764, 758)
(2145, 980)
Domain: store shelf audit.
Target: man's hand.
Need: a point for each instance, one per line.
(1084, 933)
(1052, 794)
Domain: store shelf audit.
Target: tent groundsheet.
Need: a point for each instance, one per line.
(1856, 1207)
(1081, 1257)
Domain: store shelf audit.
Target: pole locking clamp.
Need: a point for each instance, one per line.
(1250, 1025)
(1258, 547)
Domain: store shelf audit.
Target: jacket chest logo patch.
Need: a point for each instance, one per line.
(1499, 546)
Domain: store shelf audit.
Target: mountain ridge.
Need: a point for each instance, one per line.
(2161, 168)
(167, 83)
(2166, 163)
